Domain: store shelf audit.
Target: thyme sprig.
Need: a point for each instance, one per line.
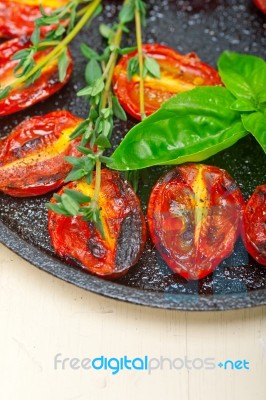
(96, 130)
(66, 22)
(140, 65)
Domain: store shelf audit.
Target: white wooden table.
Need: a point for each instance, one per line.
(42, 316)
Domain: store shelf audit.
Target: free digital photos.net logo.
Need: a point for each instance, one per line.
(146, 364)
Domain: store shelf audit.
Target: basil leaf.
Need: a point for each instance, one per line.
(255, 123)
(243, 75)
(243, 105)
(191, 126)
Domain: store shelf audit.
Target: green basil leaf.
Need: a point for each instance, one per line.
(255, 123)
(243, 105)
(243, 75)
(191, 126)
(262, 97)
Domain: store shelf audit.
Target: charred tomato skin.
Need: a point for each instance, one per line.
(194, 217)
(254, 235)
(32, 157)
(17, 17)
(178, 73)
(80, 243)
(47, 84)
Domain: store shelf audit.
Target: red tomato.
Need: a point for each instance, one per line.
(80, 243)
(178, 74)
(32, 157)
(261, 4)
(46, 85)
(194, 216)
(255, 225)
(17, 16)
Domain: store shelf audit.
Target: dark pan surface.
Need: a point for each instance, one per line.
(207, 28)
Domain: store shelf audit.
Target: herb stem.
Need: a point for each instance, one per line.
(97, 188)
(90, 9)
(108, 74)
(110, 66)
(141, 63)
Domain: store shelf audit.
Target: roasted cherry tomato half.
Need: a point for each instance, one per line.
(80, 243)
(178, 74)
(32, 157)
(46, 85)
(194, 216)
(261, 4)
(255, 225)
(17, 16)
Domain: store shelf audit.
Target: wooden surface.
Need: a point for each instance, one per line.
(42, 316)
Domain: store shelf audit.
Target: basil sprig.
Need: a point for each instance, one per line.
(197, 124)
(245, 77)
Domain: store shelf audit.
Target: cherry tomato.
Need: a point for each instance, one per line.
(261, 4)
(178, 74)
(46, 85)
(194, 216)
(17, 16)
(32, 157)
(255, 225)
(80, 243)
